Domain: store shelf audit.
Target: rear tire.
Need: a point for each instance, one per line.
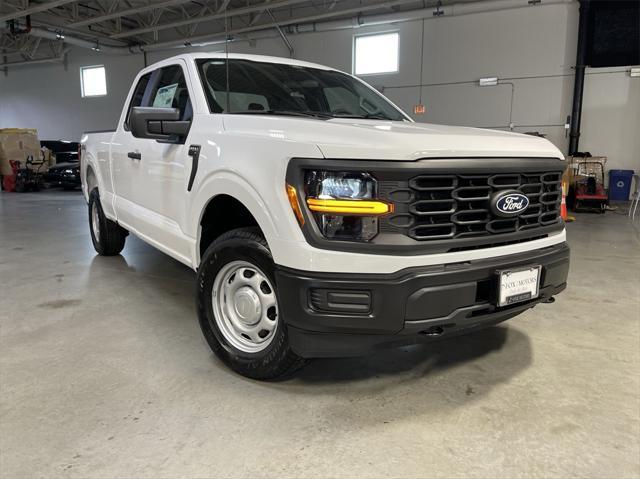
(238, 310)
(107, 236)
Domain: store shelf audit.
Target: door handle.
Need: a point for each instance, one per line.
(194, 153)
(134, 155)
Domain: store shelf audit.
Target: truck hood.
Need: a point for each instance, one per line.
(392, 140)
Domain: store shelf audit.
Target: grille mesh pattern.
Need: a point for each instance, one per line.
(458, 206)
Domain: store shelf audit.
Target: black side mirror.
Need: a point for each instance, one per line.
(162, 124)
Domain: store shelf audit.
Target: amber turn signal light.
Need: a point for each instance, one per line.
(295, 206)
(349, 207)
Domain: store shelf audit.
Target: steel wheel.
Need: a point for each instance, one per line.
(95, 221)
(245, 306)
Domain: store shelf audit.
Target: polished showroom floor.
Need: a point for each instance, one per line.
(104, 373)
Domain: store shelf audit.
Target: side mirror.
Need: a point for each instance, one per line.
(162, 124)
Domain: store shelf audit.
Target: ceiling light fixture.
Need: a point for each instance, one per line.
(492, 81)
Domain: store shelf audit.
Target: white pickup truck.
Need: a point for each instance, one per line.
(321, 220)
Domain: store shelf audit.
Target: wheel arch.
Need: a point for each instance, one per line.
(221, 214)
(92, 179)
(228, 202)
(89, 174)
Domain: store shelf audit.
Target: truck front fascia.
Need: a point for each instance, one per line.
(395, 175)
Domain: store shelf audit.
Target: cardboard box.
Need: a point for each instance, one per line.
(18, 144)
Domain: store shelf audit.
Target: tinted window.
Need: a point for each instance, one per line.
(163, 88)
(138, 94)
(270, 87)
(340, 98)
(169, 90)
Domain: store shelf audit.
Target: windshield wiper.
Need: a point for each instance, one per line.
(309, 113)
(305, 113)
(368, 116)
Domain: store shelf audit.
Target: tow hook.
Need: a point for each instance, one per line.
(549, 300)
(433, 331)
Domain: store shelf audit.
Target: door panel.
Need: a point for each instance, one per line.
(151, 191)
(127, 172)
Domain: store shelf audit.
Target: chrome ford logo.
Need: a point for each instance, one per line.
(509, 203)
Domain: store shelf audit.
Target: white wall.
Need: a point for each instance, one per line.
(47, 96)
(532, 48)
(611, 125)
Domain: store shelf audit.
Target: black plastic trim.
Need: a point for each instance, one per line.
(408, 305)
(389, 171)
(194, 153)
(97, 131)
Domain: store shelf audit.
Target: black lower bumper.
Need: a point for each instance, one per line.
(337, 315)
(65, 180)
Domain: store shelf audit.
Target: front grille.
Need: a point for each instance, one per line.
(445, 207)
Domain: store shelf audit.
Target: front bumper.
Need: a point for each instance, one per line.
(338, 314)
(67, 180)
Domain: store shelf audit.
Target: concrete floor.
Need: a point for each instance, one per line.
(104, 373)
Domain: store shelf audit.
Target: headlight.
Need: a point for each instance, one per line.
(330, 185)
(69, 171)
(344, 204)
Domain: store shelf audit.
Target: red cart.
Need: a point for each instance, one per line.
(589, 193)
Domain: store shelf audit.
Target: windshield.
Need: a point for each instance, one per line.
(274, 88)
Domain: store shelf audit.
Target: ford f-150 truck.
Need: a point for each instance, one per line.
(321, 220)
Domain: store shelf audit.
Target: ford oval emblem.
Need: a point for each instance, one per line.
(509, 203)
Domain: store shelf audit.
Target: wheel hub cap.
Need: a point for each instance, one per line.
(245, 307)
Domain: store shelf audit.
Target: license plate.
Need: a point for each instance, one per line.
(519, 285)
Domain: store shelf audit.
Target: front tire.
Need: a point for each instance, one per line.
(238, 307)
(107, 236)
